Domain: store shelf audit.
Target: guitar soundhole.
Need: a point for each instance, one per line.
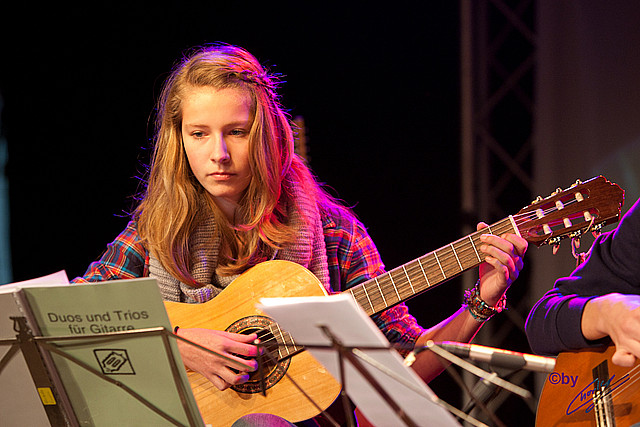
(271, 367)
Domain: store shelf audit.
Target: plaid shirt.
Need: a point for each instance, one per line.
(351, 255)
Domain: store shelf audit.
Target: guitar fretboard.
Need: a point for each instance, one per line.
(285, 347)
(410, 279)
(430, 270)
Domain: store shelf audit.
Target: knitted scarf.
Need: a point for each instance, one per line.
(308, 250)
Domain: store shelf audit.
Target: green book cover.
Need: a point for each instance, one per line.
(141, 363)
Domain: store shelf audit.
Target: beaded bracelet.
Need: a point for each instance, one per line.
(479, 309)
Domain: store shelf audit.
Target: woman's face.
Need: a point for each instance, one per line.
(215, 134)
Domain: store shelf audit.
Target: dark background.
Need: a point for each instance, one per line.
(378, 87)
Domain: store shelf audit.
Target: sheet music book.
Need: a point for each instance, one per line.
(20, 403)
(141, 363)
(303, 316)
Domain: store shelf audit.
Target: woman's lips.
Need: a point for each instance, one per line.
(221, 176)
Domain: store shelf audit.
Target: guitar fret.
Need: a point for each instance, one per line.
(394, 286)
(381, 293)
(290, 343)
(467, 256)
(287, 340)
(353, 291)
(507, 225)
(474, 248)
(280, 347)
(433, 268)
(423, 272)
(439, 265)
(275, 337)
(456, 255)
(413, 291)
(448, 261)
(514, 226)
(368, 299)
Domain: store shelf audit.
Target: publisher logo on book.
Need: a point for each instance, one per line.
(114, 361)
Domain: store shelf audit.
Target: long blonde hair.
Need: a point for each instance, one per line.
(174, 202)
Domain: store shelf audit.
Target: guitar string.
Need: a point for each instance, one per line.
(273, 341)
(466, 253)
(620, 390)
(633, 377)
(403, 285)
(448, 258)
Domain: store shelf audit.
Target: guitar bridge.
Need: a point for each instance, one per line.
(602, 401)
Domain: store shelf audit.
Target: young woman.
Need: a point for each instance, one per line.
(226, 192)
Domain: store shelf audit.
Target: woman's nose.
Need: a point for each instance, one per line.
(219, 152)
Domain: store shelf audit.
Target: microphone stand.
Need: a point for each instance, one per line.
(484, 389)
(525, 394)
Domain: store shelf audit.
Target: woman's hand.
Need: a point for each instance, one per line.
(502, 265)
(221, 372)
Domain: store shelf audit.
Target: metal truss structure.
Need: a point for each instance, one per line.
(498, 62)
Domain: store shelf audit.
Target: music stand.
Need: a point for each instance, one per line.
(341, 337)
(127, 377)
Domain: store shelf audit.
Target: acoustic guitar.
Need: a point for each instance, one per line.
(586, 389)
(291, 383)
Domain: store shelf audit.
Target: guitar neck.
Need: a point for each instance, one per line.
(426, 272)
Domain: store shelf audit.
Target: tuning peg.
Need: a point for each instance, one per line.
(537, 200)
(558, 191)
(576, 235)
(597, 229)
(575, 245)
(555, 242)
(578, 182)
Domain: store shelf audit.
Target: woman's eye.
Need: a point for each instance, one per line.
(197, 134)
(238, 132)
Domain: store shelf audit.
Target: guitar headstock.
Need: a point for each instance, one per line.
(585, 206)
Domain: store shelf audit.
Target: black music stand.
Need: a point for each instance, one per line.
(128, 377)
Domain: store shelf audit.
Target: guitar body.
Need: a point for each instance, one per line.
(567, 395)
(234, 310)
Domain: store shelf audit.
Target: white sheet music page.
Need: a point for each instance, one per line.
(58, 278)
(304, 317)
